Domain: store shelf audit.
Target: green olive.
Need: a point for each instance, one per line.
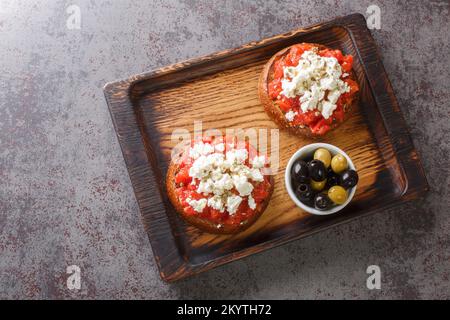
(318, 185)
(339, 163)
(323, 155)
(337, 194)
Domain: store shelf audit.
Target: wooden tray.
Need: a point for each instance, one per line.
(221, 90)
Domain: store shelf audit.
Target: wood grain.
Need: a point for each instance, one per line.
(221, 91)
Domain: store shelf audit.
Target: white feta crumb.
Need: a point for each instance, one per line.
(258, 161)
(327, 109)
(205, 186)
(225, 183)
(220, 147)
(242, 185)
(241, 155)
(200, 149)
(216, 202)
(197, 205)
(290, 115)
(251, 202)
(256, 175)
(233, 203)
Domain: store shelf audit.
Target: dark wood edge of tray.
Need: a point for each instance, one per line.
(171, 264)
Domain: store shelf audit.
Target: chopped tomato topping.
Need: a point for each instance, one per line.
(284, 105)
(338, 114)
(278, 69)
(307, 118)
(353, 86)
(299, 49)
(183, 176)
(259, 193)
(321, 127)
(332, 54)
(189, 211)
(347, 63)
(215, 214)
(287, 104)
(275, 88)
(291, 59)
(295, 54)
(207, 139)
(191, 186)
(195, 196)
(243, 208)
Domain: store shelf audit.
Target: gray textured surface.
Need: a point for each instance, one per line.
(65, 195)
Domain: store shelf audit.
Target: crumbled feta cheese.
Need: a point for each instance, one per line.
(256, 175)
(223, 184)
(290, 115)
(197, 205)
(205, 186)
(333, 96)
(313, 79)
(242, 185)
(327, 109)
(200, 149)
(220, 147)
(251, 202)
(233, 203)
(198, 168)
(216, 202)
(241, 155)
(231, 157)
(258, 161)
(216, 174)
(236, 156)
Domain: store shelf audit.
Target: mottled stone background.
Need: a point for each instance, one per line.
(65, 195)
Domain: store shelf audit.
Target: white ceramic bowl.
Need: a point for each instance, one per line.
(308, 151)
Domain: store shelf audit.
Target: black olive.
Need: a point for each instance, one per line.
(317, 170)
(304, 193)
(349, 179)
(294, 184)
(322, 202)
(332, 179)
(299, 171)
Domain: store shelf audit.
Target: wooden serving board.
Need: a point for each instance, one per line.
(221, 91)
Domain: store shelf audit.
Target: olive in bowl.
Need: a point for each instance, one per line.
(300, 172)
(321, 178)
